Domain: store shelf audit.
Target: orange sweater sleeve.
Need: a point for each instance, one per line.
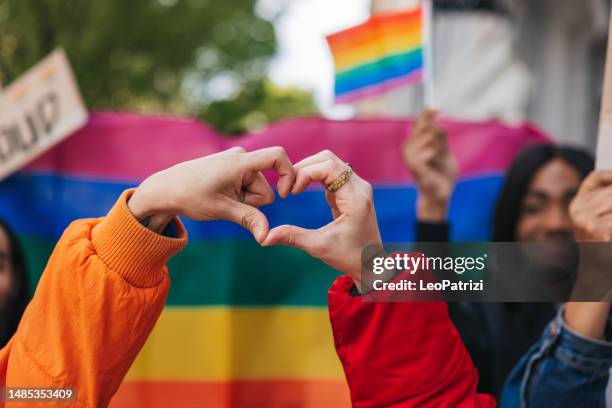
(97, 301)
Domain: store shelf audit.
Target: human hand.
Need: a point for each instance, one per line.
(224, 186)
(591, 208)
(427, 156)
(591, 215)
(339, 243)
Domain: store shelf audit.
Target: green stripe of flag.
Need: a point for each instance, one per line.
(230, 273)
(412, 57)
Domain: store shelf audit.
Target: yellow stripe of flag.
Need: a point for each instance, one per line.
(375, 50)
(222, 343)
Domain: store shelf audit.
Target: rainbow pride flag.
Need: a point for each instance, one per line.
(384, 52)
(245, 326)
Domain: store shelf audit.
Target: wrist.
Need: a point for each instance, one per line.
(587, 318)
(142, 205)
(432, 209)
(139, 205)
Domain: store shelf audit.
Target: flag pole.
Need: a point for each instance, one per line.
(428, 62)
(604, 139)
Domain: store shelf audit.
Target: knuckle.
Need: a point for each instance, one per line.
(248, 219)
(574, 210)
(363, 204)
(369, 191)
(322, 244)
(269, 197)
(590, 226)
(278, 151)
(328, 154)
(330, 165)
(290, 240)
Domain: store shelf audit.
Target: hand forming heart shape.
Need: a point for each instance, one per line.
(230, 186)
(339, 243)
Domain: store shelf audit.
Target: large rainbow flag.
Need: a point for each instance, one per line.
(384, 52)
(245, 326)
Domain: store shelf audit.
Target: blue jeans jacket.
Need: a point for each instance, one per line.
(563, 369)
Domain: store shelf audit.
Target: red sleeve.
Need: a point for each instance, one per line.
(402, 354)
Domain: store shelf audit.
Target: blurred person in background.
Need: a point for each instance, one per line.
(14, 287)
(533, 207)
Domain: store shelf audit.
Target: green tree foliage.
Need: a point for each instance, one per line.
(197, 57)
(258, 104)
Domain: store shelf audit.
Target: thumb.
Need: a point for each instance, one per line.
(292, 236)
(250, 218)
(430, 114)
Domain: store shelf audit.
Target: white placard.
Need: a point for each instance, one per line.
(37, 111)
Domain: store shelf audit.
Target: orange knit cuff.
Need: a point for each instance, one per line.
(133, 251)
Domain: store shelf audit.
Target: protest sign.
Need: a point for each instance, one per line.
(37, 111)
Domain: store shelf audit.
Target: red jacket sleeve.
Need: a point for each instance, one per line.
(402, 354)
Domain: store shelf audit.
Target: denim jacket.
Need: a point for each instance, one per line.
(563, 369)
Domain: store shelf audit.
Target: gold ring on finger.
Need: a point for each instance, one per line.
(341, 180)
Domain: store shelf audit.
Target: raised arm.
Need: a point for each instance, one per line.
(429, 160)
(570, 364)
(393, 354)
(106, 281)
(591, 212)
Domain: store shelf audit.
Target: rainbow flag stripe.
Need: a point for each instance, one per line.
(245, 326)
(380, 54)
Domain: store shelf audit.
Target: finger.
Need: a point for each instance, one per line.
(274, 158)
(606, 223)
(595, 180)
(258, 192)
(422, 160)
(249, 217)
(603, 229)
(433, 136)
(316, 158)
(413, 151)
(441, 140)
(430, 114)
(427, 156)
(296, 237)
(599, 201)
(331, 201)
(428, 139)
(231, 150)
(325, 172)
(424, 120)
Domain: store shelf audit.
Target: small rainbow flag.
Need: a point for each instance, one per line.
(382, 53)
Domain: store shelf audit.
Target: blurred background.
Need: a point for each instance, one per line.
(239, 65)
(170, 80)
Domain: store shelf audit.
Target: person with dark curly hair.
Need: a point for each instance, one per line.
(14, 283)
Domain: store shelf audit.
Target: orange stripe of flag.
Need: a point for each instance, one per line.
(396, 23)
(377, 37)
(259, 393)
